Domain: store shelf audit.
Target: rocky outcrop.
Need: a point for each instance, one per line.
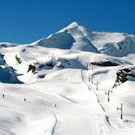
(104, 64)
(18, 59)
(124, 74)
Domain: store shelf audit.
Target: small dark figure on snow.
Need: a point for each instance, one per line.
(25, 99)
(3, 95)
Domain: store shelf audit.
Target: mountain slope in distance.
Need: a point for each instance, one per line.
(80, 38)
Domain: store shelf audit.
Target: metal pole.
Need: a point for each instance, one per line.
(121, 111)
(97, 84)
(108, 95)
(121, 116)
(92, 79)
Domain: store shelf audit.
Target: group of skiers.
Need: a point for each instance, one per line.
(4, 97)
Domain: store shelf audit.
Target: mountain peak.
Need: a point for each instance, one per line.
(72, 25)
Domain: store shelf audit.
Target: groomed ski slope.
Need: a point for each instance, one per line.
(56, 107)
(52, 108)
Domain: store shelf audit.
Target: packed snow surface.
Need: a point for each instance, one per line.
(69, 83)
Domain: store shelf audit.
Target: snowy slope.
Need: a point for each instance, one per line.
(78, 37)
(60, 85)
(71, 37)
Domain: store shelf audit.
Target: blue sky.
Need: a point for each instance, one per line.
(24, 21)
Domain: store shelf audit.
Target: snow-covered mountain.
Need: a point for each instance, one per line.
(80, 38)
(73, 82)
